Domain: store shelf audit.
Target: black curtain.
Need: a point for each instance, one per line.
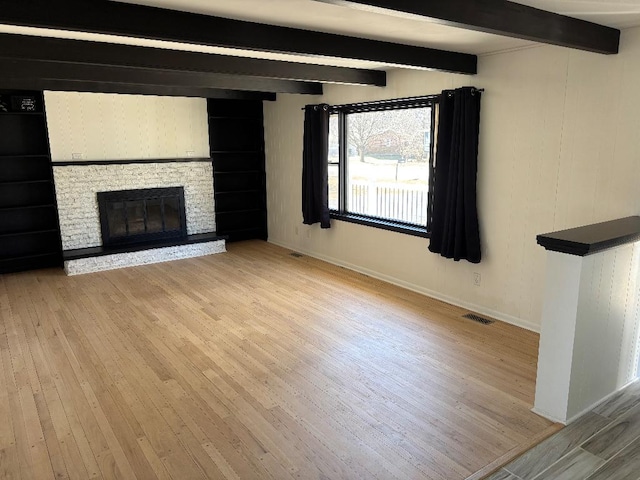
(315, 169)
(454, 223)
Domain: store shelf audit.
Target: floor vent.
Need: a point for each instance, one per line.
(296, 254)
(478, 318)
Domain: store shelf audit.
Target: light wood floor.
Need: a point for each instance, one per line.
(248, 365)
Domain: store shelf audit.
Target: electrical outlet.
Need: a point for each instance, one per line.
(191, 153)
(77, 156)
(477, 279)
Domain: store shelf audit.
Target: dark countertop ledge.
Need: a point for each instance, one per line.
(590, 239)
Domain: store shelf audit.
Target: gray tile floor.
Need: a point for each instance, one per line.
(603, 444)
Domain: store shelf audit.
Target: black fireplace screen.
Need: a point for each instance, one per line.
(146, 215)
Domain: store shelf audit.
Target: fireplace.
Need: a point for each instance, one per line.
(145, 215)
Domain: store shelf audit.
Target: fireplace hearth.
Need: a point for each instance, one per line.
(144, 215)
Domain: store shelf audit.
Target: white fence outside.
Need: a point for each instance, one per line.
(391, 201)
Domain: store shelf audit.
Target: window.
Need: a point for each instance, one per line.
(381, 163)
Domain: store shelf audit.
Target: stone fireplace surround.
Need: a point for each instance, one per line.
(77, 184)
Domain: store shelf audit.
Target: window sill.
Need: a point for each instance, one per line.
(382, 224)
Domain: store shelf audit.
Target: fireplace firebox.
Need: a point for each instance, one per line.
(144, 215)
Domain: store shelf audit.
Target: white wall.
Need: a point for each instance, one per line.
(105, 126)
(559, 148)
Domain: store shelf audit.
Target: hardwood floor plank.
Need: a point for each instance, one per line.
(109, 404)
(53, 449)
(111, 450)
(61, 445)
(192, 414)
(195, 449)
(289, 391)
(9, 464)
(7, 436)
(161, 472)
(25, 462)
(141, 415)
(223, 464)
(260, 405)
(84, 432)
(13, 364)
(253, 364)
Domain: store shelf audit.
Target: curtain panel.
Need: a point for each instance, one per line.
(315, 168)
(455, 230)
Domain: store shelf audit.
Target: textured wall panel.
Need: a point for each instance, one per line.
(76, 188)
(100, 126)
(606, 340)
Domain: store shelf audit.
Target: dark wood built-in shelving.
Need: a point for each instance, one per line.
(236, 136)
(29, 229)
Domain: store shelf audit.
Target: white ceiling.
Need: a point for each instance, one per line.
(324, 17)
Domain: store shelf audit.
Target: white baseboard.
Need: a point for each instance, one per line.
(548, 417)
(597, 403)
(575, 417)
(518, 322)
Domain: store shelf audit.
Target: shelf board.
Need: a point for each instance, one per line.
(43, 205)
(28, 232)
(244, 210)
(26, 257)
(237, 171)
(254, 190)
(238, 230)
(213, 152)
(23, 182)
(22, 113)
(233, 231)
(18, 155)
(239, 117)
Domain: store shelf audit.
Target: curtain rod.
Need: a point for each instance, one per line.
(391, 101)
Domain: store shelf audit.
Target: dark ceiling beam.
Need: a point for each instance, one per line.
(109, 54)
(8, 81)
(501, 17)
(47, 70)
(115, 18)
